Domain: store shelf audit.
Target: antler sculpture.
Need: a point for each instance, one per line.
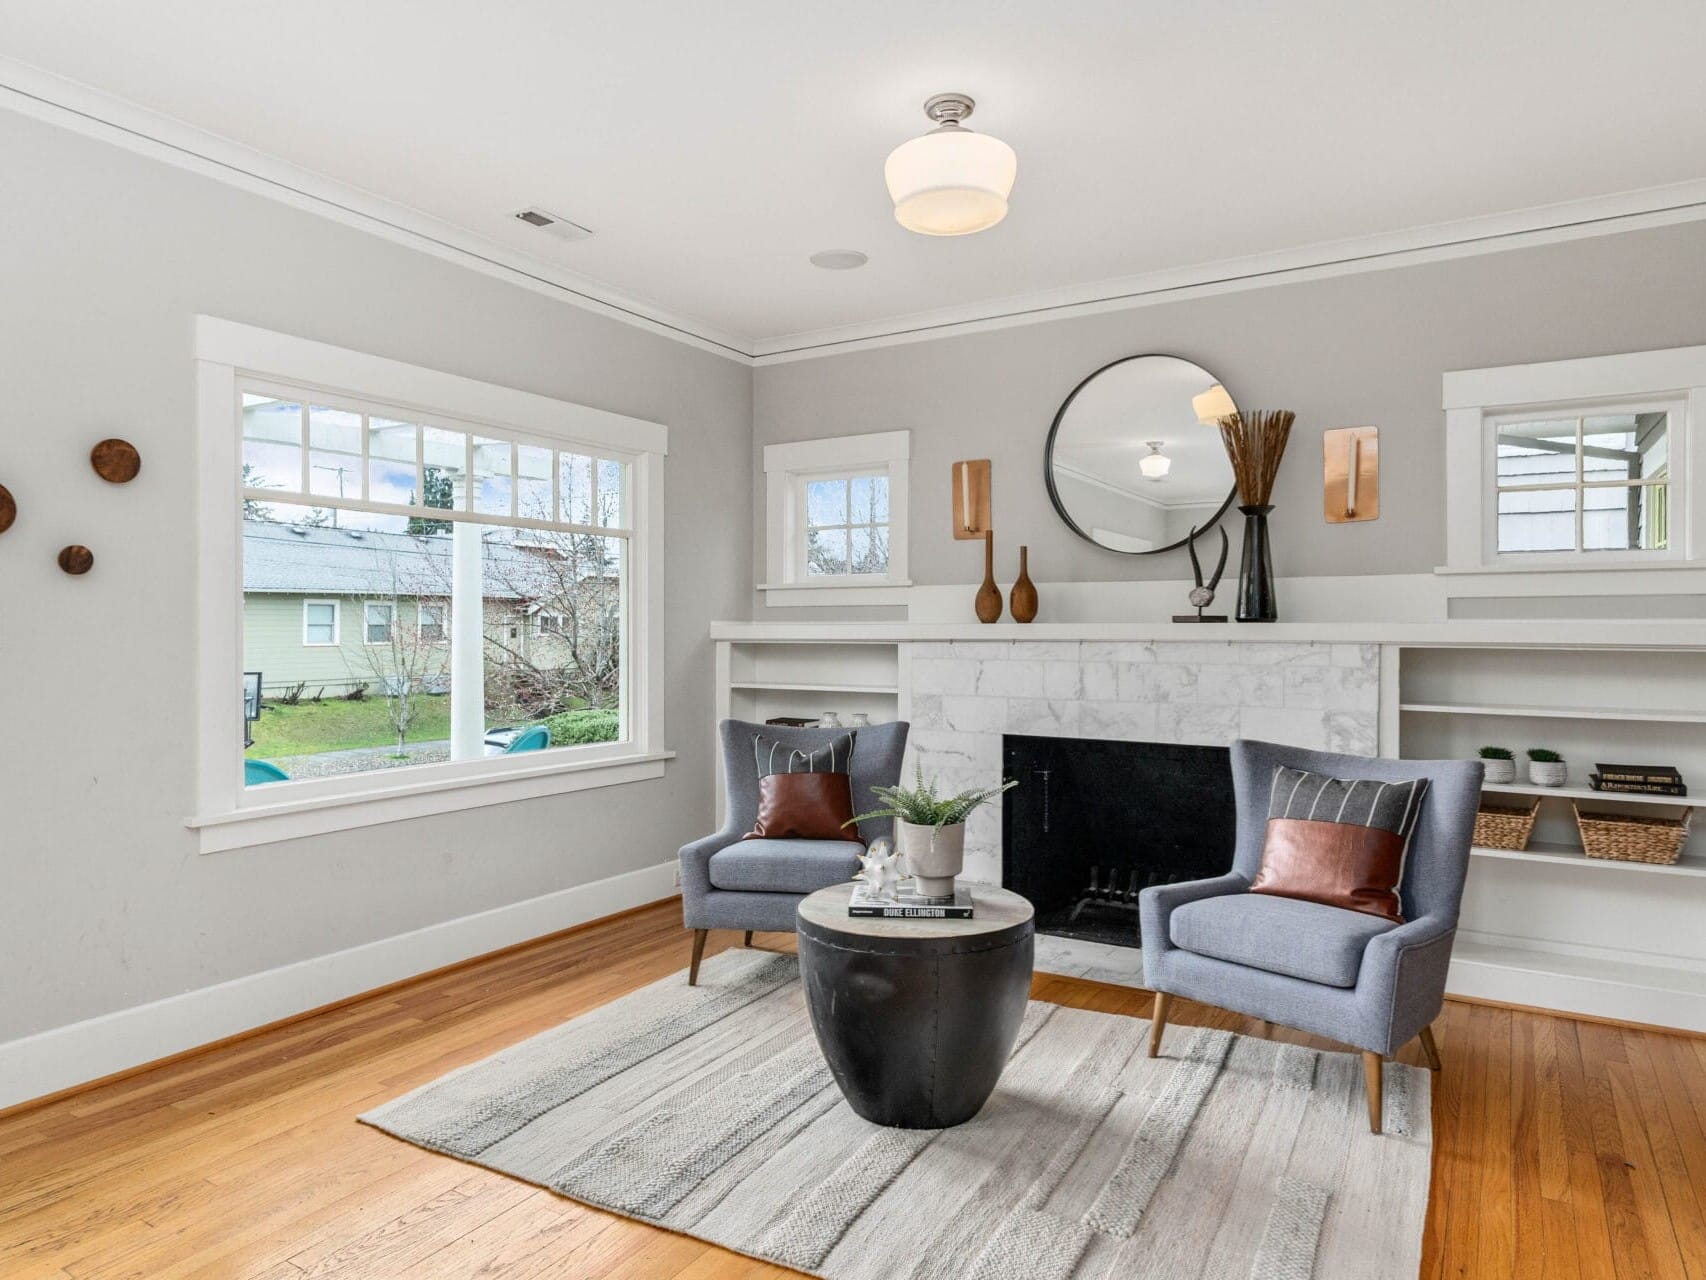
(1202, 595)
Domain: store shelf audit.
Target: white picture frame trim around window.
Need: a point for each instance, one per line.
(229, 816)
(786, 467)
(1475, 398)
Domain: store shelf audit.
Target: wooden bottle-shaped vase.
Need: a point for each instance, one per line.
(1023, 601)
(988, 595)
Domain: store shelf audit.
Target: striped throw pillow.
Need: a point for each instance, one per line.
(1341, 842)
(834, 756)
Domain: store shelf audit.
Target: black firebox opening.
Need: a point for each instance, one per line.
(1093, 823)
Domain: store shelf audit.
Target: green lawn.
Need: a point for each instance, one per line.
(336, 725)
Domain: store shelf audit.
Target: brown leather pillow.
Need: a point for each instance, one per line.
(804, 806)
(1339, 841)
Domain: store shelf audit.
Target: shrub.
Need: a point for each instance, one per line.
(357, 694)
(293, 694)
(1497, 753)
(1544, 755)
(590, 724)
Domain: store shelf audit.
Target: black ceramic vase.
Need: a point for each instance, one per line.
(1256, 600)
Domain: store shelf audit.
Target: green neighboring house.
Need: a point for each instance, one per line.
(334, 608)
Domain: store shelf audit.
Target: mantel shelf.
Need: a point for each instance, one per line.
(1588, 793)
(1572, 856)
(1553, 713)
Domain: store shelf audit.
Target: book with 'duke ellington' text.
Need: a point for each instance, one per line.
(907, 905)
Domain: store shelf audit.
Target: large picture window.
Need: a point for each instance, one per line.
(405, 522)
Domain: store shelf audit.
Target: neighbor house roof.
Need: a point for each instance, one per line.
(294, 560)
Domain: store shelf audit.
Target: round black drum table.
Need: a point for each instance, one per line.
(916, 1017)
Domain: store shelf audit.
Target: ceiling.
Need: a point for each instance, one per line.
(714, 148)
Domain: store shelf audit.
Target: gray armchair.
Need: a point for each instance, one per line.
(1342, 974)
(731, 883)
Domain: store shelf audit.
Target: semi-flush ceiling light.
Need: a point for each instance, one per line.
(1155, 465)
(950, 182)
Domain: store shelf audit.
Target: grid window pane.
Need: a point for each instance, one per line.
(826, 552)
(1537, 452)
(1627, 518)
(1537, 520)
(870, 500)
(391, 462)
(610, 493)
(575, 471)
(826, 503)
(870, 550)
(533, 483)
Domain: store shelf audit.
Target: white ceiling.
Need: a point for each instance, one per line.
(714, 147)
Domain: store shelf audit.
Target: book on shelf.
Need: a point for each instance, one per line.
(1613, 786)
(904, 904)
(1657, 773)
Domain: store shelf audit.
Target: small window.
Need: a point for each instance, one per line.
(432, 623)
(1583, 483)
(378, 621)
(847, 525)
(319, 622)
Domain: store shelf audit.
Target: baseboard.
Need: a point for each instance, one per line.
(1653, 996)
(60, 1059)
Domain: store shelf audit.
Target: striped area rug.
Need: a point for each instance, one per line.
(709, 1110)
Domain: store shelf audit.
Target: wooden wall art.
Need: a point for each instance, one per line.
(115, 461)
(76, 560)
(8, 508)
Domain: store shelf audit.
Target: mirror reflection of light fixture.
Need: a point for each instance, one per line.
(951, 181)
(1155, 465)
(1213, 405)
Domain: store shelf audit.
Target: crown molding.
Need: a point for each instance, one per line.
(68, 104)
(1437, 242)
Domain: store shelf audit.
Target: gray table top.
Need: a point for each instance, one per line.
(996, 908)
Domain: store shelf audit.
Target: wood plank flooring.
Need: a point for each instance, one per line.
(1562, 1148)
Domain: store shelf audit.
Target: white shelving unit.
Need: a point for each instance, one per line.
(1555, 713)
(1608, 798)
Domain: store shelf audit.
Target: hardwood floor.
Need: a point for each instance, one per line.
(1562, 1148)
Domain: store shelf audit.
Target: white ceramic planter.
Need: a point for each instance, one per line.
(934, 856)
(1548, 773)
(1500, 770)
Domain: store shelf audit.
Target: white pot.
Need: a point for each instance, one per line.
(1500, 770)
(1548, 773)
(934, 856)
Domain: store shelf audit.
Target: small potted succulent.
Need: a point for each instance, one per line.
(1500, 762)
(1546, 768)
(930, 830)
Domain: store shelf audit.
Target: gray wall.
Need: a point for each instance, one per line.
(1357, 349)
(104, 900)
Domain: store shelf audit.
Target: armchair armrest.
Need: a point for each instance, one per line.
(1156, 904)
(1403, 976)
(696, 861)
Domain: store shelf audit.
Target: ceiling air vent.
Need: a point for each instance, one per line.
(552, 225)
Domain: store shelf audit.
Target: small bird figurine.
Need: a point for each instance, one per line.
(1202, 595)
(880, 868)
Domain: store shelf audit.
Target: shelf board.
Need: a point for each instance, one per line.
(1566, 855)
(787, 686)
(1553, 713)
(1588, 793)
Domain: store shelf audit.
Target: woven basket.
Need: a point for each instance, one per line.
(1502, 827)
(1623, 838)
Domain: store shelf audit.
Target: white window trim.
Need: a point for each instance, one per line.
(1474, 399)
(786, 468)
(390, 608)
(228, 816)
(337, 625)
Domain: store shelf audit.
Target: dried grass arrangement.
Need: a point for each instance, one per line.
(1255, 442)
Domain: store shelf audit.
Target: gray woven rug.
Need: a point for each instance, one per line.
(708, 1110)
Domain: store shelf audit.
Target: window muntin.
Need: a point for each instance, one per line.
(1583, 483)
(320, 623)
(846, 525)
(381, 496)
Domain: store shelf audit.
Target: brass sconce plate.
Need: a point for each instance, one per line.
(971, 498)
(1351, 474)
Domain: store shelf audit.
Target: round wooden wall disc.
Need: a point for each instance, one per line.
(76, 560)
(8, 508)
(116, 461)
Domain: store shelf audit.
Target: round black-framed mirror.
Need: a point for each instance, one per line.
(1129, 466)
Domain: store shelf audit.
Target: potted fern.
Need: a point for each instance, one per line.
(1500, 762)
(1546, 768)
(930, 830)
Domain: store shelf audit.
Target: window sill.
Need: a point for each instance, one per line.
(888, 591)
(293, 819)
(1604, 566)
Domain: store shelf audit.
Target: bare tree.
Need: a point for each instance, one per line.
(407, 656)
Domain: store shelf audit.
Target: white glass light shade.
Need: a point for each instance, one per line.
(951, 182)
(1154, 465)
(1213, 405)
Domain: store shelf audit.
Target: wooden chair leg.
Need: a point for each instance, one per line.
(1267, 1029)
(1158, 1021)
(698, 955)
(1430, 1050)
(748, 941)
(1373, 1067)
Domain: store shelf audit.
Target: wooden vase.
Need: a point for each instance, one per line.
(988, 595)
(1023, 601)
